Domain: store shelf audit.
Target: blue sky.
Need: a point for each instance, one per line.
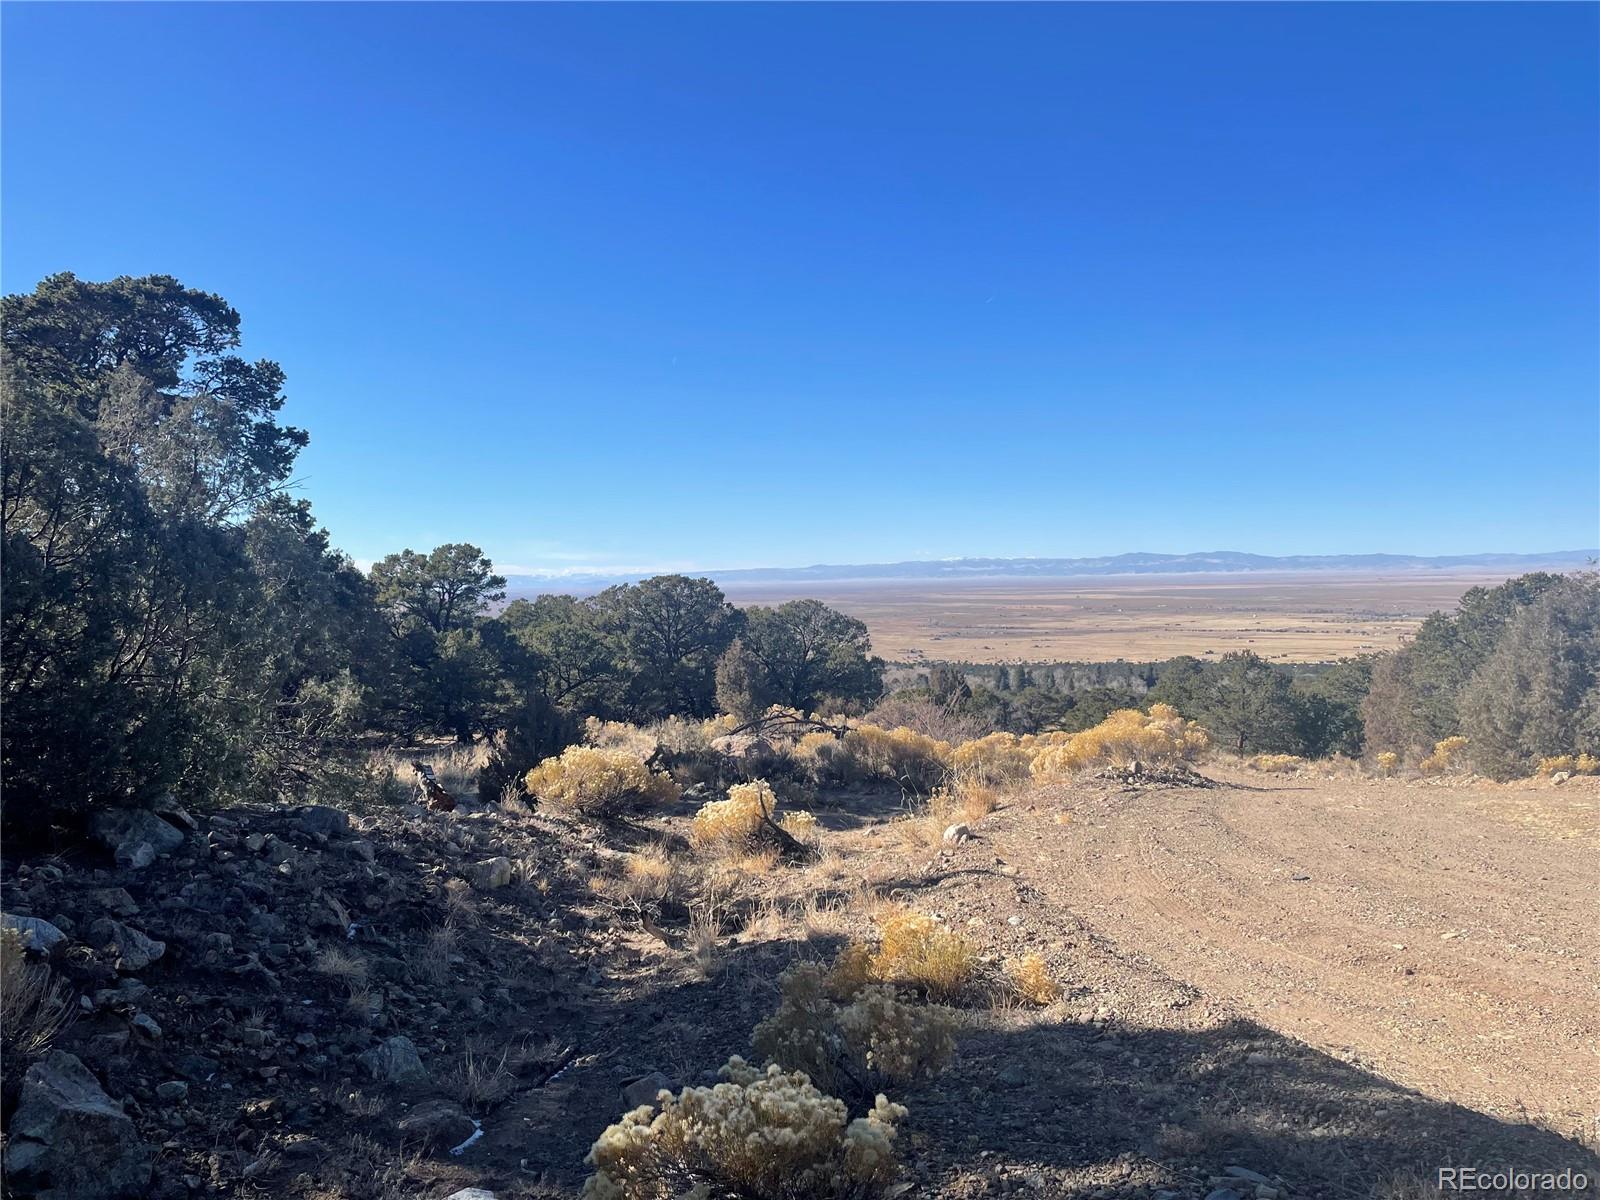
(665, 286)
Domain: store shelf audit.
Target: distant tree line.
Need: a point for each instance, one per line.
(174, 621)
(1515, 670)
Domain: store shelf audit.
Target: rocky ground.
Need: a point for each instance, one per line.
(406, 1003)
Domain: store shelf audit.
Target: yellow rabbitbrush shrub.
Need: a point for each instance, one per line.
(857, 1045)
(1126, 735)
(736, 823)
(1572, 764)
(761, 1135)
(1447, 756)
(1388, 760)
(915, 949)
(823, 759)
(997, 759)
(902, 755)
(596, 782)
(800, 825)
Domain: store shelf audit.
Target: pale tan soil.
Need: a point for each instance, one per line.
(1288, 618)
(1217, 1012)
(1433, 933)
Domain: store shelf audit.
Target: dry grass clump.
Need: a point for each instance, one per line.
(915, 950)
(597, 782)
(649, 875)
(481, 1081)
(1275, 764)
(760, 1135)
(1572, 764)
(342, 965)
(33, 1003)
(995, 760)
(1126, 736)
(1448, 755)
(430, 959)
(1033, 980)
(971, 800)
(857, 1045)
(618, 735)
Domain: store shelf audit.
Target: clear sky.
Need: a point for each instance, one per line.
(662, 286)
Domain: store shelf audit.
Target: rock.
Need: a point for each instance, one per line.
(135, 856)
(1223, 1194)
(437, 1123)
(471, 1194)
(197, 1068)
(1263, 1192)
(320, 819)
(956, 834)
(395, 1061)
(115, 901)
(489, 874)
(35, 934)
(135, 835)
(173, 1091)
(1013, 1076)
(364, 850)
(70, 1141)
(643, 1090)
(1258, 1058)
(133, 949)
(746, 748)
(1561, 777)
(1246, 1174)
(145, 1025)
(174, 813)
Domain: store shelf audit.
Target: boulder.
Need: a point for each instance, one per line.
(134, 951)
(35, 934)
(954, 835)
(395, 1060)
(114, 900)
(489, 874)
(745, 748)
(644, 1089)
(136, 836)
(70, 1141)
(320, 819)
(437, 1123)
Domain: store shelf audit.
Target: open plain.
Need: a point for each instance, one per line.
(1289, 617)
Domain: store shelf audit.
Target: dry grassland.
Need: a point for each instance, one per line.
(1288, 618)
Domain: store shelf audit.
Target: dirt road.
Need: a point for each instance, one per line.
(1447, 938)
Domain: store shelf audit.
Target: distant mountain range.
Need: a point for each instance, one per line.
(1215, 562)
